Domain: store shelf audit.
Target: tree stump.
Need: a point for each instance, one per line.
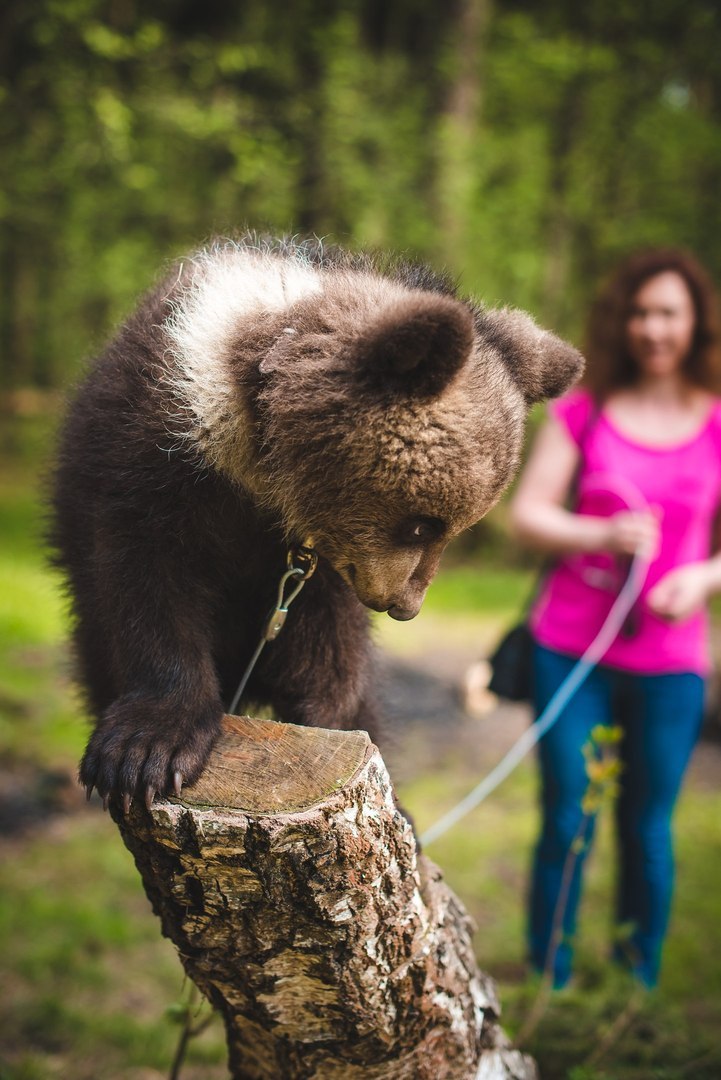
(294, 892)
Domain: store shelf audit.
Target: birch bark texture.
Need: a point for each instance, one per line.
(293, 890)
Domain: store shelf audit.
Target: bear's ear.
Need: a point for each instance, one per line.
(541, 364)
(416, 345)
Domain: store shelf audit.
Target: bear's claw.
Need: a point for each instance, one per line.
(141, 749)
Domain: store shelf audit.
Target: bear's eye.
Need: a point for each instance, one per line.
(420, 530)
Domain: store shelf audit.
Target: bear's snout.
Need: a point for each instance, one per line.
(396, 586)
(401, 614)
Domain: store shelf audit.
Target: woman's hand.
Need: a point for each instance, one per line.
(632, 532)
(681, 592)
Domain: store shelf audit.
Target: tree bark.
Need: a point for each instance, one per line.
(459, 131)
(295, 894)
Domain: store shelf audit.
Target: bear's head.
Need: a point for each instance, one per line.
(389, 419)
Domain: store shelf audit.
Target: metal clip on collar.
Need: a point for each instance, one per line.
(302, 562)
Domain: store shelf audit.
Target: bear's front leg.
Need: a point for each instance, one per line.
(151, 675)
(146, 746)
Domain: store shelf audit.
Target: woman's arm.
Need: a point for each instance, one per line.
(542, 521)
(685, 589)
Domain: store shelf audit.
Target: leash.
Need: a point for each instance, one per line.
(593, 655)
(301, 563)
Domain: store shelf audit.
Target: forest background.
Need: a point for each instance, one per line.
(523, 146)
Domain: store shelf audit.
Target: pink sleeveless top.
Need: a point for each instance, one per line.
(684, 482)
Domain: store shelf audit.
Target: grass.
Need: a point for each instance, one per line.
(88, 983)
(89, 978)
(485, 860)
(479, 590)
(38, 713)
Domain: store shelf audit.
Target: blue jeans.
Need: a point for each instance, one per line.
(661, 717)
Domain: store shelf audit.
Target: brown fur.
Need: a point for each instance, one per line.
(264, 395)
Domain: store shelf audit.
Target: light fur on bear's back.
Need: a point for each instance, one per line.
(219, 290)
(223, 290)
(223, 286)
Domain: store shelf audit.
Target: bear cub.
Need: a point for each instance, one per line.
(267, 394)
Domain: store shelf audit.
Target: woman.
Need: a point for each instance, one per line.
(639, 446)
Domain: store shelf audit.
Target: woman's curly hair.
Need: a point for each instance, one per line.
(610, 365)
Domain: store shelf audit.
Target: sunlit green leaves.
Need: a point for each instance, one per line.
(130, 133)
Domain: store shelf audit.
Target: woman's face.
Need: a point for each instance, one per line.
(660, 328)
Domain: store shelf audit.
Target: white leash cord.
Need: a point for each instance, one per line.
(575, 678)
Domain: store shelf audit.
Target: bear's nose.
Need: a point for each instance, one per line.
(401, 614)
(376, 605)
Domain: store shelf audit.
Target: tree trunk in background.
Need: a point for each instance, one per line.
(293, 889)
(18, 303)
(560, 229)
(464, 99)
(460, 127)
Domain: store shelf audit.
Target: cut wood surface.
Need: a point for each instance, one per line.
(265, 767)
(292, 887)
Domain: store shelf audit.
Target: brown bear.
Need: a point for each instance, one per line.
(267, 394)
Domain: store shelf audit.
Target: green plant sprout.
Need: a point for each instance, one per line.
(603, 769)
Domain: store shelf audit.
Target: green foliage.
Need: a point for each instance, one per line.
(603, 767)
(523, 147)
(602, 771)
(467, 588)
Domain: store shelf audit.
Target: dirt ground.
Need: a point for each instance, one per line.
(422, 698)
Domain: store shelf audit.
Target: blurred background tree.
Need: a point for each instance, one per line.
(522, 146)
